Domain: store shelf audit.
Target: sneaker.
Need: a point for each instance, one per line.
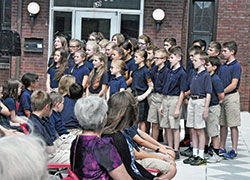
(207, 156)
(177, 155)
(210, 151)
(188, 152)
(198, 161)
(230, 155)
(214, 158)
(222, 152)
(189, 160)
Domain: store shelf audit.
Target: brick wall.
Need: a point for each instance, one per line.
(32, 62)
(233, 24)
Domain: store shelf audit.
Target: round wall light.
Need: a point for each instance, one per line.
(158, 16)
(33, 9)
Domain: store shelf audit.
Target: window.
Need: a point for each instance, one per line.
(130, 25)
(62, 24)
(202, 21)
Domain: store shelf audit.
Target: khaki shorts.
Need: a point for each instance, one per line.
(154, 163)
(154, 115)
(230, 110)
(212, 124)
(194, 113)
(169, 105)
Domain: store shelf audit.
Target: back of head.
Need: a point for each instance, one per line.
(103, 43)
(231, 45)
(195, 49)
(122, 112)
(202, 43)
(215, 61)
(75, 91)
(39, 99)
(121, 64)
(90, 112)
(55, 97)
(171, 41)
(10, 88)
(22, 157)
(65, 82)
(29, 78)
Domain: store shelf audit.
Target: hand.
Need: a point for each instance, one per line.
(205, 114)
(185, 101)
(176, 113)
(161, 110)
(140, 98)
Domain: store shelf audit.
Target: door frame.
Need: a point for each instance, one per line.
(114, 28)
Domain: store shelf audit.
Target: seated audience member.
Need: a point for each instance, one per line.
(122, 114)
(41, 104)
(28, 161)
(93, 157)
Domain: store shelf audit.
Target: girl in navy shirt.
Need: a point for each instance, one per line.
(91, 48)
(117, 82)
(11, 92)
(80, 71)
(142, 86)
(57, 69)
(98, 78)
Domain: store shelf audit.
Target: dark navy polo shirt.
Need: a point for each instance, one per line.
(167, 63)
(10, 103)
(158, 77)
(57, 123)
(89, 64)
(217, 88)
(50, 61)
(190, 70)
(79, 73)
(104, 80)
(109, 63)
(68, 115)
(201, 84)
(175, 82)
(131, 66)
(71, 62)
(230, 71)
(25, 103)
(39, 128)
(116, 84)
(140, 77)
(52, 72)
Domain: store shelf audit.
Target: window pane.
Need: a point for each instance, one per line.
(203, 14)
(113, 4)
(130, 25)
(62, 24)
(90, 25)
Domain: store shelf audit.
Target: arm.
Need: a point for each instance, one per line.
(5, 111)
(205, 111)
(221, 97)
(27, 113)
(103, 90)
(178, 106)
(48, 83)
(143, 154)
(130, 79)
(120, 173)
(231, 86)
(108, 93)
(87, 91)
(84, 81)
(149, 90)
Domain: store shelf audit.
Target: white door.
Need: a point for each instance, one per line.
(87, 22)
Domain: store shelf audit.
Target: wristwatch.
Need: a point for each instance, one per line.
(158, 148)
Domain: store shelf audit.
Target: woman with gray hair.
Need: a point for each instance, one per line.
(93, 157)
(23, 157)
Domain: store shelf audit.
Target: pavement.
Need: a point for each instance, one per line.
(236, 169)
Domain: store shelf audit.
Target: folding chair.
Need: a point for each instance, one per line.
(62, 167)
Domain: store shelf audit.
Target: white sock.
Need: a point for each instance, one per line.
(195, 152)
(201, 153)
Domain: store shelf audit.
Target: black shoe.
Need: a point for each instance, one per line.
(188, 152)
(177, 155)
(185, 143)
(189, 160)
(198, 161)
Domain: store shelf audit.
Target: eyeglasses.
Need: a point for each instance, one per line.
(73, 46)
(157, 58)
(166, 45)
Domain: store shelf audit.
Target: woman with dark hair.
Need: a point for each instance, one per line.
(122, 113)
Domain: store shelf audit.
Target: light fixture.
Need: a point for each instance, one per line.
(33, 9)
(158, 16)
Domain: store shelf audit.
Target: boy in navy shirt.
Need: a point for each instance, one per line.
(174, 86)
(158, 73)
(42, 108)
(230, 73)
(200, 95)
(30, 82)
(212, 123)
